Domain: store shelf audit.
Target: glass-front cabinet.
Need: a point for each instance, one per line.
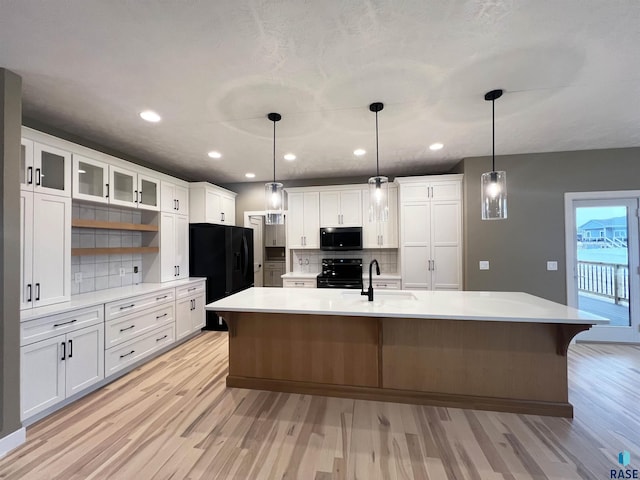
(90, 179)
(148, 192)
(131, 189)
(45, 169)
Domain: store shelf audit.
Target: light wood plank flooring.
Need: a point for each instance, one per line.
(173, 418)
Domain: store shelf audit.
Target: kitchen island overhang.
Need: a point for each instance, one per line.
(503, 351)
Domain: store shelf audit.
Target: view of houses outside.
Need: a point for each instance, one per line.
(603, 262)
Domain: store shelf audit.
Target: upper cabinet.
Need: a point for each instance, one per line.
(274, 236)
(129, 188)
(101, 182)
(341, 208)
(385, 234)
(303, 219)
(211, 204)
(174, 198)
(45, 169)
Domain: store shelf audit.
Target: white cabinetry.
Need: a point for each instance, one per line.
(273, 272)
(274, 236)
(137, 327)
(341, 208)
(59, 356)
(299, 283)
(173, 261)
(174, 198)
(384, 234)
(431, 232)
(45, 233)
(90, 179)
(303, 219)
(190, 313)
(211, 204)
(45, 169)
(129, 188)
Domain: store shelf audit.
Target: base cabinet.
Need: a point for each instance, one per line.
(62, 364)
(190, 313)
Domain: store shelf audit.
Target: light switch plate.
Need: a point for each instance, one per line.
(122, 272)
(552, 265)
(77, 277)
(484, 264)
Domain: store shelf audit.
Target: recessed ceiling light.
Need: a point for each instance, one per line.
(358, 152)
(150, 116)
(214, 154)
(250, 175)
(436, 146)
(289, 156)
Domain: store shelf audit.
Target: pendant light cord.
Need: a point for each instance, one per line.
(493, 134)
(377, 154)
(274, 152)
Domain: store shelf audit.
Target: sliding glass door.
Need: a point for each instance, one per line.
(602, 262)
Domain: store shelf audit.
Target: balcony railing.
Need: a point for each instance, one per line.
(610, 280)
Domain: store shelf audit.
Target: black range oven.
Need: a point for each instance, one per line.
(341, 273)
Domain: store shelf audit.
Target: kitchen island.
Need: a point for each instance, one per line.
(503, 351)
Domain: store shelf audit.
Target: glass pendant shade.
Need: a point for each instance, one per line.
(274, 202)
(378, 199)
(494, 195)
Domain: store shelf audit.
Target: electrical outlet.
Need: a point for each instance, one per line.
(552, 266)
(135, 269)
(122, 272)
(77, 277)
(484, 264)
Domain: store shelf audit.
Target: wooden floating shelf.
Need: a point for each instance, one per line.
(80, 223)
(77, 252)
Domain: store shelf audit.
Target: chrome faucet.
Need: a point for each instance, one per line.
(369, 292)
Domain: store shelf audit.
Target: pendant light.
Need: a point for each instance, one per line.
(273, 193)
(493, 183)
(378, 186)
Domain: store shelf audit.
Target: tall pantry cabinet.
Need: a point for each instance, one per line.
(431, 232)
(45, 225)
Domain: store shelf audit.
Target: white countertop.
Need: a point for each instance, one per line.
(299, 275)
(103, 296)
(458, 305)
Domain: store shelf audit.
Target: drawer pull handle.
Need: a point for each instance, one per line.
(161, 338)
(128, 306)
(160, 316)
(162, 298)
(128, 328)
(127, 354)
(192, 289)
(65, 323)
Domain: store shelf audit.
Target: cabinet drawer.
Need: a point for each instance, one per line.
(131, 305)
(47, 327)
(385, 284)
(307, 283)
(190, 290)
(134, 350)
(131, 326)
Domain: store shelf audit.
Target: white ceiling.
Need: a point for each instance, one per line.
(214, 69)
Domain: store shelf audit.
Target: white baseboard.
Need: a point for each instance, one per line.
(13, 440)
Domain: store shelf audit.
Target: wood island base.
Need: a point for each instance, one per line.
(516, 367)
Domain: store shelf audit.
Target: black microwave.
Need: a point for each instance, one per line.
(342, 238)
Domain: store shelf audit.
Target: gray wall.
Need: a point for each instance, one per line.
(519, 247)
(10, 121)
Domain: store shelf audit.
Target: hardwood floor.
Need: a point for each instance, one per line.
(173, 418)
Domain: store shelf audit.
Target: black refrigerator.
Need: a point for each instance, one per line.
(224, 255)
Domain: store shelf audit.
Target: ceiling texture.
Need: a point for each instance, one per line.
(214, 69)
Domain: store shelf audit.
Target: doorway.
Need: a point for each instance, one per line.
(602, 262)
(256, 222)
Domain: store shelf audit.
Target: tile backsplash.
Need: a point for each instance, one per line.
(100, 272)
(309, 261)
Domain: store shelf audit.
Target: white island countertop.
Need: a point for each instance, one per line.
(451, 305)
